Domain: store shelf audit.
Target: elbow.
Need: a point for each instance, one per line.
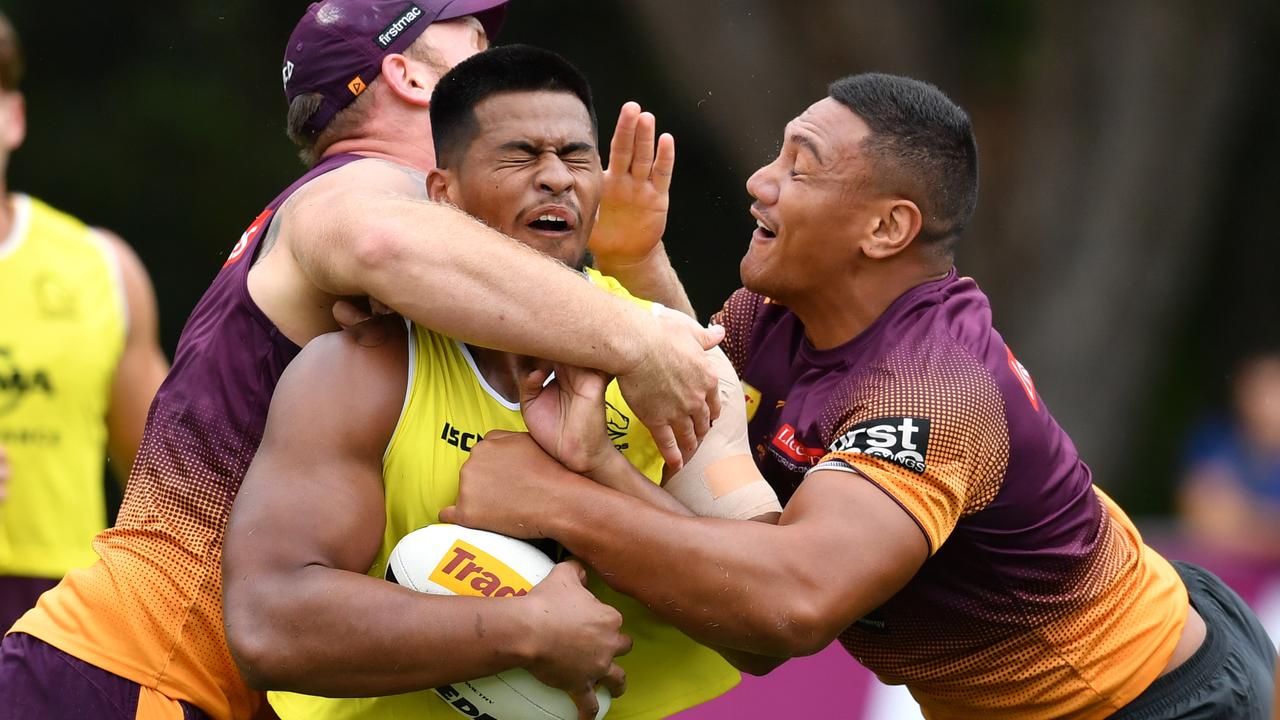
(796, 628)
(258, 654)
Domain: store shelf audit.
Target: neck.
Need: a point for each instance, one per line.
(839, 312)
(499, 370)
(418, 158)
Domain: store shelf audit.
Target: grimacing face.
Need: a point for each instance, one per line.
(810, 203)
(532, 171)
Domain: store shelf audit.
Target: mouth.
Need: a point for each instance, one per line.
(551, 220)
(764, 229)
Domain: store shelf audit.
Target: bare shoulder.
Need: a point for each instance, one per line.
(361, 177)
(340, 383)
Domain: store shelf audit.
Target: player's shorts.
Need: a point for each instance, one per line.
(38, 680)
(1231, 676)
(18, 595)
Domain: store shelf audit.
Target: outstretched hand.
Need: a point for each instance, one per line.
(635, 194)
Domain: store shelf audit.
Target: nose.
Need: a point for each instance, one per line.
(552, 176)
(762, 186)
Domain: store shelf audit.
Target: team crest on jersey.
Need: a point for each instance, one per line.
(902, 440)
(617, 424)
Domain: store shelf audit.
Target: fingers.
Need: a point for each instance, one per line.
(348, 315)
(449, 514)
(624, 137)
(615, 681)
(642, 157)
(702, 418)
(665, 439)
(686, 437)
(665, 163)
(713, 404)
(575, 567)
(532, 384)
(587, 702)
(711, 336)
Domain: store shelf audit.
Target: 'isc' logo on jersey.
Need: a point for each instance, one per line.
(902, 440)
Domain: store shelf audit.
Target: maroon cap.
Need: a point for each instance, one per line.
(337, 47)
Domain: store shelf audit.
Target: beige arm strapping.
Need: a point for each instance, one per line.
(720, 480)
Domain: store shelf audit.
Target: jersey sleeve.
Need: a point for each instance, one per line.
(929, 430)
(738, 318)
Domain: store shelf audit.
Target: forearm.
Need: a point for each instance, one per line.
(652, 278)
(299, 633)
(755, 599)
(470, 282)
(625, 478)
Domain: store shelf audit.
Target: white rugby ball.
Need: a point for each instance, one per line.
(453, 560)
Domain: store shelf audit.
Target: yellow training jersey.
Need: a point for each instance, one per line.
(62, 335)
(448, 407)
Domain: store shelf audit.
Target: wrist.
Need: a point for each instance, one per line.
(631, 339)
(612, 466)
(614, 264)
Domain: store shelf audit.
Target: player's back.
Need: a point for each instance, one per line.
(151, 609)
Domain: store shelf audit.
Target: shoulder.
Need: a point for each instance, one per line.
(740, 315)
(361, 177)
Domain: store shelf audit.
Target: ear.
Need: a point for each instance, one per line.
(410, 80)
(440, 184)
(896, 224)
(13, 129)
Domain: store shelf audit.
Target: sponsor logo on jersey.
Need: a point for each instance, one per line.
(248, 236)
(902, 440)
(451, 695)
(467, 570)
(786, 442)
(752, 397)
(397, 26)
(1024, 378)
(464, 441)
(16, 383)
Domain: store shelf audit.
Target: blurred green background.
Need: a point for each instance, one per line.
(1125, 231)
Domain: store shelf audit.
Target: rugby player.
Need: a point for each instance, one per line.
(937, 520)
(320, 510)
(80, 360)
(141, 630)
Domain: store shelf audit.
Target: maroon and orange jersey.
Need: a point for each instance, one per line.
(150, 609)
(1039, 598)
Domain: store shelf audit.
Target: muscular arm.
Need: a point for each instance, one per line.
(364, 230)
(142, 365)
(300, 613)
(842, 548)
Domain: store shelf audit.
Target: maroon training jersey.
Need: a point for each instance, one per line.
(1039, 599)
(150, 609)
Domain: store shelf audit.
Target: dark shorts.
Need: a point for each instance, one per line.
(18, 595)
(1231, 676)
(38, 680)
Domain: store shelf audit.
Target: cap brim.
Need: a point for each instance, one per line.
(490, 13)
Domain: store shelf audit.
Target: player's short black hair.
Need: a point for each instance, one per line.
(10, 55)
(503, 69)
(922, 146)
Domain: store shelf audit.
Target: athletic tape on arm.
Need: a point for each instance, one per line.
(720, 480)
